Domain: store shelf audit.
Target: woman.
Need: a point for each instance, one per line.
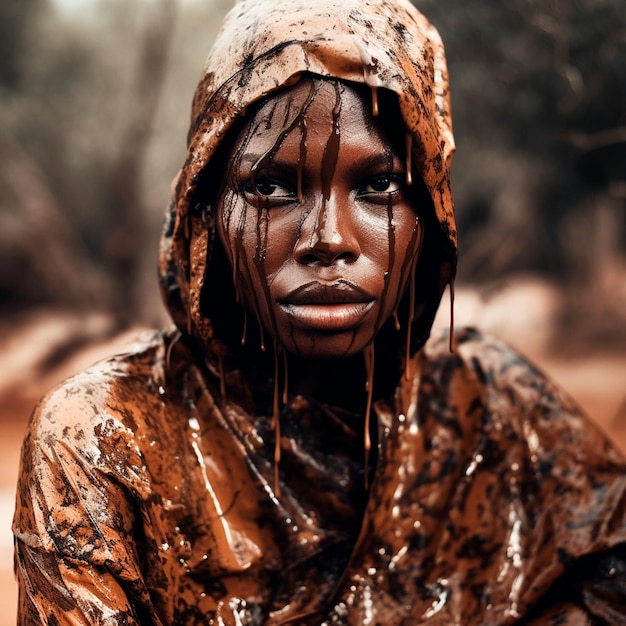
(294, 452)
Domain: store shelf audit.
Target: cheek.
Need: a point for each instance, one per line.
(241, 230)
(390, 236)
(246, 233)
(233, 217)
(407, 230)
(239, 237)
(226, 219)
(405, 240)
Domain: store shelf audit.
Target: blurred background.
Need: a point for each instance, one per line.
(94, 106)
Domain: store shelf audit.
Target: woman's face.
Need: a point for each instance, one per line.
(316, 219)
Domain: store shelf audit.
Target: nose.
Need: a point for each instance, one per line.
(328, 234)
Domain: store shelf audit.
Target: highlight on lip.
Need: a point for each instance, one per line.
(328, 317)
(330, 307)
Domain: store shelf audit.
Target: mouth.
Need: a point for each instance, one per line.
(327, 307)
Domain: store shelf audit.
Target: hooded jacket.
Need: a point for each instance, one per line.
(147, 491)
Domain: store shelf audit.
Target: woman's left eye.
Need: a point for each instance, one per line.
(387, 183)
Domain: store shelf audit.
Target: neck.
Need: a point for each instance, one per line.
(340, 382)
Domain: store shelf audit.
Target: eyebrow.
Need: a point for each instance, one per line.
(386, 158)
(251, 158)
(372, 161)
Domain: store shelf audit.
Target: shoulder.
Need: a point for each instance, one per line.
(490, 357)
(498, 370)
(84, 464)
(84, 483)
(490, 381)
(93, 417)
(531, 435)
(99, 389)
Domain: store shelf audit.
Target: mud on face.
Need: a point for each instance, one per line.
(317, 217)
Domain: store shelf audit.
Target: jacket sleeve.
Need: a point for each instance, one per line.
(76, 558)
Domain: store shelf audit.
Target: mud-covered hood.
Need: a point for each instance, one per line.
(265, 45)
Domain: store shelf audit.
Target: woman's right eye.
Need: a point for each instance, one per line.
(266, 188)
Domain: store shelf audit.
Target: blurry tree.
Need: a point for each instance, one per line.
(15, 18)
(539, 105)
(126, 209)
(72, 150)
(94, 106)
(41, 246)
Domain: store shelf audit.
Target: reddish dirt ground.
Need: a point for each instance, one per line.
(597, 380)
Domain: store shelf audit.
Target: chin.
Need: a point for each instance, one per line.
(325, 346)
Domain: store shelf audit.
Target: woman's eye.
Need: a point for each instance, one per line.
(382, 184)
(266, 188)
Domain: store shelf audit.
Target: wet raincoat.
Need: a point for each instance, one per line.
(147, 491)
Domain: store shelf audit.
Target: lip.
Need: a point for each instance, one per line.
(327, 307)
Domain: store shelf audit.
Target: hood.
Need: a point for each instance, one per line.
(266, 45)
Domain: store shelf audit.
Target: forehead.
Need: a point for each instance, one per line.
(317, 94)
(320, 107)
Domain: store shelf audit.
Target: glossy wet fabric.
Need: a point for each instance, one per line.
(147, 492)
(493, 501)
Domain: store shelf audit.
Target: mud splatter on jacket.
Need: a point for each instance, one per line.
(146, 491)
